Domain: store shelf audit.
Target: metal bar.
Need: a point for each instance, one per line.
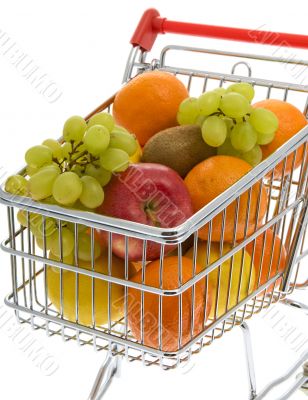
(249, 361)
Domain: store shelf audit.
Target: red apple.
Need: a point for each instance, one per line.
(150, 194)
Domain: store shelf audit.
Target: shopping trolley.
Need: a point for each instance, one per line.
(286, 215)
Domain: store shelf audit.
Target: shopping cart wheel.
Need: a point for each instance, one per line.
(106, 373)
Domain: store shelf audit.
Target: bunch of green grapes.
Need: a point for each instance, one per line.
(47, 232)
(74, 172)
(229, 122)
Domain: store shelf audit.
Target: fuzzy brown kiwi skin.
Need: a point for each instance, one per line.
(180, 148)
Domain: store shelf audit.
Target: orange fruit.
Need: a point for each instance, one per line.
(149, 103)
(170, 305)
(274, 259)
(212, 177)
(291, 121)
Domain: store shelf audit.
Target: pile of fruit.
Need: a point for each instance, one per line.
(161, 157)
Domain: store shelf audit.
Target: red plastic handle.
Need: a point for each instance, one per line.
(151, 24)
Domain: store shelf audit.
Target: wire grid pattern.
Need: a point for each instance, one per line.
(285, 214)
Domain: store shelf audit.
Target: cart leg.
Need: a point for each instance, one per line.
(104, 377)
(250, 362)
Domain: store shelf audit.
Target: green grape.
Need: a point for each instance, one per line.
(34, 223)
(124, 141)
(38, 229)
(40, 242)
(67, 243)
(221, 91)
(214, 131)
(92, 195)
(67, 148)
(264, 138)
(264, 121)
(96, 139)
(49, 200)
(114, 160)
(102, 118)
(67, 188)
(80, 227)
(226, 149)
(17, 184)
(22, 217)
(31, 170)
(243, 88)
(120, 128)
(84, 248)
(55, 147)
(188, 111)
(40, 184)
(229, 123)
(253, 156)
(208, 102)
(74, 129)
(234, 105)
(100, 174)
(199, 120)
(39, 155)
(243, 137)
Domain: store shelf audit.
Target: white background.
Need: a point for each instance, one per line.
(83, 46)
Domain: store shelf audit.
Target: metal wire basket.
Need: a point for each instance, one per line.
(286, 215)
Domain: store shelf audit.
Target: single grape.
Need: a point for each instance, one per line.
(214, 131)
(120, 128)
(40, 184)
(234, 105)
(85, 247)
(66, 150)
(114, 160)
(188, 111)
(264, 138)
(226, 149)
(74, 129)
(229, 123)
(92, 195)
(96, 139)
(221, 91)
(100, 174)
(124, 141)
(199, 120)
(67, 188)
(243, 88)
(40, 242)
(55, 147)
(80, 227)
(208, 102)
(66, 245)
(39, 155)
(22, 217)
(34, 222)
(42, 233)
(17, 184)
(264, 121)
(103, 119)
(31, 170)
(243, 137)
(253, 156)
(39, 228)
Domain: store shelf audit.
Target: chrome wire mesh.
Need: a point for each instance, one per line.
(285, 214)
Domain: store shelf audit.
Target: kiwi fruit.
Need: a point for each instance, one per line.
(180, 148)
